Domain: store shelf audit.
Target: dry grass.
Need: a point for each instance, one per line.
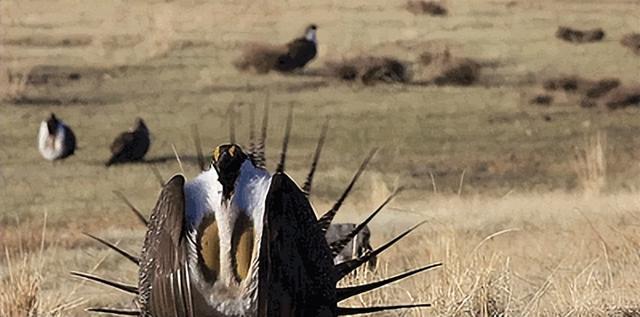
(19, 291)
(21, 286)
(591, 164)
(13, 84)
(507, 259)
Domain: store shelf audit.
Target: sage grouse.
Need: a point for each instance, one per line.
(130, 146)
(300, 51)
(296, 54)
(55, 139)
(240, 241)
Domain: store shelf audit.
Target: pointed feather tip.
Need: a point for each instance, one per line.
(306, 188)
(337, 246)
(131, 289)
(133, 208)
(285, 143)
(114, 247)
(114, 311)
(347, 292)
(344, 268)
(325, 221)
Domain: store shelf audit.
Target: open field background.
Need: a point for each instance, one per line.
(478, 161)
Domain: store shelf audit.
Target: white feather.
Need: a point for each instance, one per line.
(203, 195)
(251, 190)
(311, 36)
(51, 147)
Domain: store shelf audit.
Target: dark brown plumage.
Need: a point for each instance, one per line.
(300, 51)
(130, 146)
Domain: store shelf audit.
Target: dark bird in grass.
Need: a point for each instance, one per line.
(130, 146)
(55, 139)
(300, 51)
(240, 241)
(283, 58)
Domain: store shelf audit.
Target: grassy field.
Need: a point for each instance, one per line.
(496, 177)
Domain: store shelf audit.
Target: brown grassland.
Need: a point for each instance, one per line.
(534, 210)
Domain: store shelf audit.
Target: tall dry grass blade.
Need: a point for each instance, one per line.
(347, 311)
(590, 164)
(156, 173)
(133, 208)
(175, 152)
(198, 145)
(461, 182)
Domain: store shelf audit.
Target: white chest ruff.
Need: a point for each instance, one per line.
(51, 147)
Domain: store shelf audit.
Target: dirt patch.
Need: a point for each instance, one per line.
(602, 87)
(50, 41)
(426, 7)
(579, 85)
(260, 58)
(632, 41)
(121, 41)
(580, 36)
(542, 100)
(370, 70)
(623, 97)
(608, 92)
(442, 68)
(464, 72)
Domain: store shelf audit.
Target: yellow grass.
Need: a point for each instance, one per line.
(508, 219)
(591, 164)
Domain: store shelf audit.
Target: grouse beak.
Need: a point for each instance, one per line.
(227, 160)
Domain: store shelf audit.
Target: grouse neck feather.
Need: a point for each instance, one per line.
(310, 36)
(203, 195)
(251, 186)
(51, 146)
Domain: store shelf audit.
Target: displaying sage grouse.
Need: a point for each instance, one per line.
(294, 55)
(240, 241)
(357, 247)
(300, 51)
(130, 146)
(55, 139)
